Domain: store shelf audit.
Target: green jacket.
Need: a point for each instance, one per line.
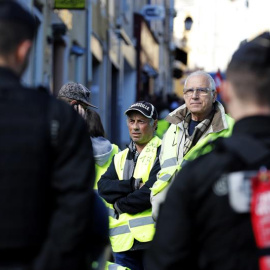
(163, 126)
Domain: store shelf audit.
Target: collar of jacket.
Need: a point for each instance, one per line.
(218, 123)
(8, 76)
(256, 125)
(133, 153)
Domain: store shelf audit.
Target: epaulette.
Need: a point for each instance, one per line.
(44, 89)
(247, 148)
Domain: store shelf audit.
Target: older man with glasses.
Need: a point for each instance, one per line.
(200, 120)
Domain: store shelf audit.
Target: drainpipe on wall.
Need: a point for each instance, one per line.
(88, 34)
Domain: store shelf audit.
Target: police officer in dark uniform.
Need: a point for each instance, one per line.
(46, 163)
(217, 213)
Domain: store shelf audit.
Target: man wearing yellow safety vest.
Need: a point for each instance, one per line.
(200, 120)
(126, 187)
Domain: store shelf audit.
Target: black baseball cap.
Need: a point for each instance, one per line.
(145, 108)
(12, 11)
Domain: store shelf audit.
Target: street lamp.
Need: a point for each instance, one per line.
(188, 23)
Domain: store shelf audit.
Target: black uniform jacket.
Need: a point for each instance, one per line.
(197, 227)
(46, 176)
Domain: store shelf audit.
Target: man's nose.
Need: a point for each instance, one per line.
(135, 125)
(195, 93)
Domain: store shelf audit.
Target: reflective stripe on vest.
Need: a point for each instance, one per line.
(169, 162)
(169, 165)
(140, 226)
(114, 266)
(111, 211)
(140, 221)
(119, 230)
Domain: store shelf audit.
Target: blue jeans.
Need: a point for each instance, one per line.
(131, 259)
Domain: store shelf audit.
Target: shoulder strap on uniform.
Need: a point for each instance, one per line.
(53, 123)
(247, 148)
(43, 89)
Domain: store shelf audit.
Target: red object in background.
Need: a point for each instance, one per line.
(260, 214)
(218, 79)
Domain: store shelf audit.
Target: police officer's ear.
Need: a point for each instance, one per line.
(225, 89)
(19, 58)
(23, 50)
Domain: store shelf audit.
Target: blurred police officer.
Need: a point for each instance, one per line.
(46, 163)
(217, 214)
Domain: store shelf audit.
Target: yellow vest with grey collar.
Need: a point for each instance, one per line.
(170, 164)
(140, 226)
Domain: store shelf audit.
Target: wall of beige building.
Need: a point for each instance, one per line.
(219, 26)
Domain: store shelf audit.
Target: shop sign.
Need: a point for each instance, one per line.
(69, 4)
(153, 12)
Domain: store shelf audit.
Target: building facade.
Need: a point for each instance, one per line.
(113, 47)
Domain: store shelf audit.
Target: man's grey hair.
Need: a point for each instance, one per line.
(152, 121)
(211, 81)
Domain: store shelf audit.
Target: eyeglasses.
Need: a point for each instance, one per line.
(203, 91)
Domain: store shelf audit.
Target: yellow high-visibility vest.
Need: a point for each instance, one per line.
(114, 266)
(140, 226)
(100, 170)
(170, 165)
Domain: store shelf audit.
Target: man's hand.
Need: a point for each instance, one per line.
(138, 183)
(141, 185)
(78, 108)
(81, 111)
